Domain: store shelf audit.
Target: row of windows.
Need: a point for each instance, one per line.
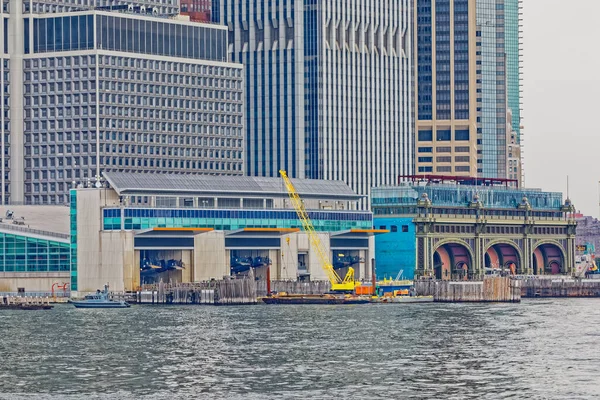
(157, 78)
(229, 223)
(161, 38)
(152, 66)
(445, 149)
(143, 164)
(394, 228)
(244, 214)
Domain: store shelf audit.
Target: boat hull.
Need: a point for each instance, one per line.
(26, 307)
(81, 304)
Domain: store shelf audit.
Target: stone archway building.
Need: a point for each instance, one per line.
(522, 231)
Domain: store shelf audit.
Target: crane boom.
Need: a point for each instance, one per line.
(337, 284)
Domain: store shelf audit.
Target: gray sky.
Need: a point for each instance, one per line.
(561, 60)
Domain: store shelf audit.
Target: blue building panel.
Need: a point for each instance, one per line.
(396, 250)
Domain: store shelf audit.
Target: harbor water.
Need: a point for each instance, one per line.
(539, 349)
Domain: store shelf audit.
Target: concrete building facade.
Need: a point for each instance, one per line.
(115, 88)
(328, 87)
(144, 228)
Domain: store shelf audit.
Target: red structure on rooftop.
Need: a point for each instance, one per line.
(198, 10)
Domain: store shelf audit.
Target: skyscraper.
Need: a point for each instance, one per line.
(113, 88)
(328, 87)
(467, 80)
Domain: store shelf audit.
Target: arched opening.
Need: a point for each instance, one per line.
(452, 261)
(548, 259)
(502, 259)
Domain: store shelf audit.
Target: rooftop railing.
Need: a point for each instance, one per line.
(23, 229)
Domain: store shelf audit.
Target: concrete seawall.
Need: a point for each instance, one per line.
(496, 290)
(559, 287)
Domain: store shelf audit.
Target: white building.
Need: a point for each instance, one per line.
(128, 88)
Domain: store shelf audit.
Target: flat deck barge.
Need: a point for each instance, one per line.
(314, 299)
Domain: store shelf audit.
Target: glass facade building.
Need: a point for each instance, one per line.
(20, 253)
(328, 87)
(104, 90)
(512, 41)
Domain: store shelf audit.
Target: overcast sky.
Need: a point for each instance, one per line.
(561, 98)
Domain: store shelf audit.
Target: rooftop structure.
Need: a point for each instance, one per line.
(126, 183)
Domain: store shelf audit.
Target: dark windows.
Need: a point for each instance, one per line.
(426, 135)
(425, 159)
(394, 228)
(61, 34)
(461, 134)
(425, 149)
(404, 228)
(443, 135)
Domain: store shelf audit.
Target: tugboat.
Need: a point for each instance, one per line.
(99, 300)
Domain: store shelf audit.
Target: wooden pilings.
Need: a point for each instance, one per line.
(223, 292)
(293, 287)
(493, 289)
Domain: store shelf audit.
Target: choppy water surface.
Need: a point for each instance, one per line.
(536, 350)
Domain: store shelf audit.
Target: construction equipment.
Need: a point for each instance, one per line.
(337, 284)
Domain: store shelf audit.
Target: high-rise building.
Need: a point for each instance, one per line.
(328, 87)
(467, 80)
(113, 88)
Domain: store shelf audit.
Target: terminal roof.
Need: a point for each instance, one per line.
(129, 183)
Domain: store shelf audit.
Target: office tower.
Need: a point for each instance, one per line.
(467, 80)
(328, 87)
(113, 88)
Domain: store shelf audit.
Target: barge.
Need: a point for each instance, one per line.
(327, 298)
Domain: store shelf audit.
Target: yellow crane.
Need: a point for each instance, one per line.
(337, 284)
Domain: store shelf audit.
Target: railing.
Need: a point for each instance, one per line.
(23, 229)
(61, 294)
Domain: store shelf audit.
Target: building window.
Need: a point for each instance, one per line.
(425, 149)
(461, 134)
(426, 136)
(404, 228)
(443, 135)
(394, 228)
